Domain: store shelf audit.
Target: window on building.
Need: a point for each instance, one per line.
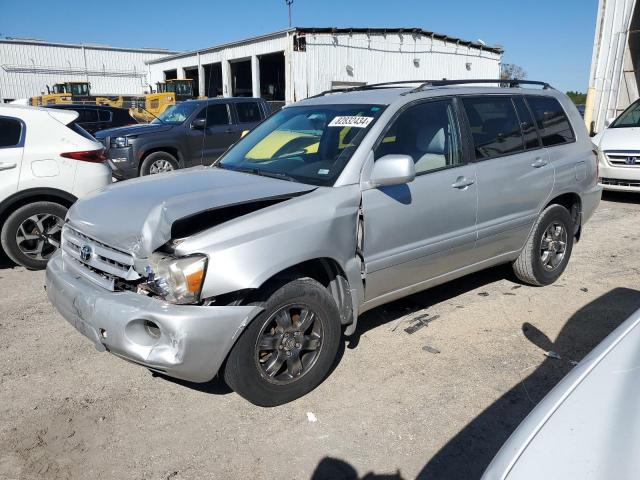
(494, 125)
(552, 122)
(10, 131)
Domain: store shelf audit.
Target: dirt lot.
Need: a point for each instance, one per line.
(391, 408)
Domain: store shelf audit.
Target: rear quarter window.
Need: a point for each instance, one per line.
(10, 132)
(551, 120)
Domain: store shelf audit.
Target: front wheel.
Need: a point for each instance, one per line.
(548, 249)
(289, 348)
(158, 162)
(31, 234)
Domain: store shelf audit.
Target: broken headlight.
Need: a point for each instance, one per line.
(176, 280)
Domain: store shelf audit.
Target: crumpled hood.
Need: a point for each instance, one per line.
(624, 139)
(136, 215)
(142, 129)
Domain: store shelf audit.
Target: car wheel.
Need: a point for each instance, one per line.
(158, 162)
(548, 248)
(31, 234)
(289, 348)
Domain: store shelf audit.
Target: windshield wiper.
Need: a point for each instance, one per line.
(264, 173)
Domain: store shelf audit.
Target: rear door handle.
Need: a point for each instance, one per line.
(7, 166)
(462, 182)
(540, 162)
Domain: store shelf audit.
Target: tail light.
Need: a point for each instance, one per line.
(93, 156)
(597, 153)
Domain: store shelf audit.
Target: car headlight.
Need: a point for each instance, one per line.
(176, 280)
(120, 142)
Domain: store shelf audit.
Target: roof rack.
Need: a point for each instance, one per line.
(434, 83)
(508, 83)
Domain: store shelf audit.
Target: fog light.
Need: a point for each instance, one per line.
(152, 329)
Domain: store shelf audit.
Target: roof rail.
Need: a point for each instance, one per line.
(507, 83)
(422, 84)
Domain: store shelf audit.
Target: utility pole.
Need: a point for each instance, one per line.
(289, 2)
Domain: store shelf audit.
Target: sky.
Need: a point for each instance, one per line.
(551, 39)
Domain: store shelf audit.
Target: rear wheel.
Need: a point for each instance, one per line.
(548, 249)
(289, 348)
(158, 162)
(31, 234)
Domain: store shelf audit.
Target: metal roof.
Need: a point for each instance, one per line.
(333, 30)
(90, 46)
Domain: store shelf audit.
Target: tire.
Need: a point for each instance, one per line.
(304, 358)
(533, 266)
(22, 233)
(158, 162)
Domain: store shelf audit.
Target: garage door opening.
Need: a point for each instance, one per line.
(170, 74)
(191, 73)
(241, 85)
(213, 80)
(272, 83)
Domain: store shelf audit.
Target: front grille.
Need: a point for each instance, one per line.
(624, 159)
(620, 183)
(102, 264)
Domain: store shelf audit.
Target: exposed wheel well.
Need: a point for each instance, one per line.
(328, 273)
(171, 150)
(573, 203)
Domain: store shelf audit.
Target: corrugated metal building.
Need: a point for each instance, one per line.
(27, 66)
(615, 66)
(293, 64)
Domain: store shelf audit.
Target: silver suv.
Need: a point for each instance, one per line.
(252, 268)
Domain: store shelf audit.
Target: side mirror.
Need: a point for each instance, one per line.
(199, 124)
(393, 170)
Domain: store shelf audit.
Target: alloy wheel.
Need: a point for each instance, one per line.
(553, 246)
(38, 237)
(160, 166)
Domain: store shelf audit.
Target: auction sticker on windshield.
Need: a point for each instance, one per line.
(351, 121)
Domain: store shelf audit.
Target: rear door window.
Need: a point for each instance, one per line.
(216, 114)
(527, 124)
(10, 132)
(87, 115)
(495, 126)
(248, 112)
(104, 115)
(552, 121)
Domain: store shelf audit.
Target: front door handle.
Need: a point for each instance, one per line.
(7, 166)
(540, 162)
(462, 183)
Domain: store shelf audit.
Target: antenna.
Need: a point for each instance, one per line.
(289, 3)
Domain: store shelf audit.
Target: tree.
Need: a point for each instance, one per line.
(578, 98)
(511, 71)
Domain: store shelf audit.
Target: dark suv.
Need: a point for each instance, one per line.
(98, 117)
(195, 132)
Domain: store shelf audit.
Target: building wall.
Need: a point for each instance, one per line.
(375, 58)
(343, 57)
(27, 67)
(613, 83)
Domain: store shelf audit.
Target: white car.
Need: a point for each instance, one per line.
(619, 146)
(46, 163)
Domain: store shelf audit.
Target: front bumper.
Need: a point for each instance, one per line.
(625, 179)
(193, 341)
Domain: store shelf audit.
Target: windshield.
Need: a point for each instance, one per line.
(176, 114)
(79, 89)
(304, 144)
(629, 118)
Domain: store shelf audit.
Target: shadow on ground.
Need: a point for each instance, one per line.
(468, 453)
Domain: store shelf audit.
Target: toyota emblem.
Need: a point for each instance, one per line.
(85, 253)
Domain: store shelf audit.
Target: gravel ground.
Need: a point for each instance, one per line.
(435, 403)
